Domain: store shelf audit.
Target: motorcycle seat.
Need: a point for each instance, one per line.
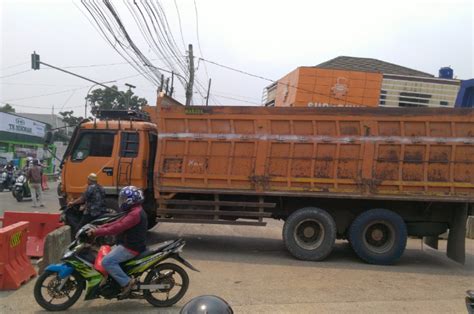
(153, 249)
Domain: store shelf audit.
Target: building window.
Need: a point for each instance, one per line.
(129, 144)
(407, 99)
(94, 144)
(443, 103)
(383, 96)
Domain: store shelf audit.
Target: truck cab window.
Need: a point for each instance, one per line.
(93, 144)
(129, 144)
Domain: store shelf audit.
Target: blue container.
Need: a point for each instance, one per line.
(446, 73)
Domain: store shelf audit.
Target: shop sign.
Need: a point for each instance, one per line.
(15, 124)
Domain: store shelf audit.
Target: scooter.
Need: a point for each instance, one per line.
(160, 283)
(21, 189)
(6, 180)
(72, 215)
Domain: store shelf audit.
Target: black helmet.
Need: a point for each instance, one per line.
(207, 304)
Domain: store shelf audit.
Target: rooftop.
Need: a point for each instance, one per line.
(369, 65)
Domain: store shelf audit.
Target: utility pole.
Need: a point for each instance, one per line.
(189, 87)
(172, 84)
(130, 86)
(208, 90)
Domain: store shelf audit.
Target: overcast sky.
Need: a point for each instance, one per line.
(268, 38)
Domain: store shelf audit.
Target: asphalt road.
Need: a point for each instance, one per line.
(250, 268)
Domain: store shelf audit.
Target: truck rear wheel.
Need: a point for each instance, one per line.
(309, 234)
(378, 236)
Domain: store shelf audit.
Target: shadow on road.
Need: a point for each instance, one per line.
(257, 250)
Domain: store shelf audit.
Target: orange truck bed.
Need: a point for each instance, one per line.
(367, 153)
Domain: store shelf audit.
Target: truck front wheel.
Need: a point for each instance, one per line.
(378, 236)
(309, 234)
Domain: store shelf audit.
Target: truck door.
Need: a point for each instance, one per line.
(92, 152)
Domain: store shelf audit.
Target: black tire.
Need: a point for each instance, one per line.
(19, 196)
(151, 217)
(150, 208)
(48, 305)
(309, 234)
(378, 236)
(151, 279)
(1, 188)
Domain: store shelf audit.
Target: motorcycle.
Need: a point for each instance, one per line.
(21, 189)
(61, 285)
(470, 301)
(72, 215)
(6, 180)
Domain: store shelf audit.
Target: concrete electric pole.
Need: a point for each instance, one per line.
(189, 87)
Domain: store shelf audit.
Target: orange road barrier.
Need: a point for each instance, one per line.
(15, 266)
(40, 225)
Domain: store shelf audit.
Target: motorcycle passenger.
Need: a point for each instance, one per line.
(93, 201)
(131, 230)
(34, 176)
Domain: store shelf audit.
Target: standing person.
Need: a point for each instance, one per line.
(34, 178)
(131, 240)
(93, 200)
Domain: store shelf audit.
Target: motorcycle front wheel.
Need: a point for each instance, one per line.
(19, 196)
(166, 274)
(50, 298)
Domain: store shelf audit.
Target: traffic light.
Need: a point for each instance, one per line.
(35, 61)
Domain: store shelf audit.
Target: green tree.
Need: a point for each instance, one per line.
(104, 98)
(69, 119)
(7, 108)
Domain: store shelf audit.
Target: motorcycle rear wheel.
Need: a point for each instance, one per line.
(166, 273)
(48, 282)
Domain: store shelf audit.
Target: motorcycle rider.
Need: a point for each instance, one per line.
(10, 166)
(34, 176)
(131, 240)
(93, 200)
(9, 169)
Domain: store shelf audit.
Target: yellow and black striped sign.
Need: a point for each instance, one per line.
(15, 239)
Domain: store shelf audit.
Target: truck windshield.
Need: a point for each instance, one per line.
(93, 144)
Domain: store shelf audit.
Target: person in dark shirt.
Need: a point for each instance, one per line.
(93, 200)
(131, 240)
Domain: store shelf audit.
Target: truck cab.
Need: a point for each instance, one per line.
(119, 146)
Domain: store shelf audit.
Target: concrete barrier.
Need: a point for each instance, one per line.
(55, 244)
(470, 227)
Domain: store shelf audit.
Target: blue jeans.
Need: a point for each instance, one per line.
(111, 263)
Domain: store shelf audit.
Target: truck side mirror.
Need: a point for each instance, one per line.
(48, 138)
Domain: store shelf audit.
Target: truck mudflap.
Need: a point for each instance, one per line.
(457, 234)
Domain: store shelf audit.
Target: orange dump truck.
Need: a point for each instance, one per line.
(372, 176)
